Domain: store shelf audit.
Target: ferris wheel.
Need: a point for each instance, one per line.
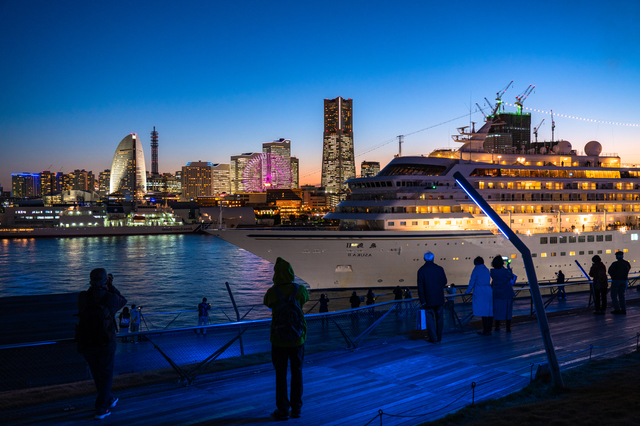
(266, 171)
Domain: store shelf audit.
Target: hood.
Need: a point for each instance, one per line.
(283, 272)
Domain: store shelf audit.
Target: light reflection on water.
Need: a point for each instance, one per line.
(160, 272)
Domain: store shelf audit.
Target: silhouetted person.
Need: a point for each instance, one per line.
(203, 314)
(98, 347)
(560, 280)
(397, 292)
(324, 302)
(354, 300)
(619, 272)
(503, 293)
(371, 298)
(600, 283)
(431, 283)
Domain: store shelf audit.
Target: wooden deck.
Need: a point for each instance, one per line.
(410, 381)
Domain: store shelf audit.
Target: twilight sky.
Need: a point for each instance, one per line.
(219, 78)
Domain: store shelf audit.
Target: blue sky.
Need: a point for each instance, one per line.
(219, 78)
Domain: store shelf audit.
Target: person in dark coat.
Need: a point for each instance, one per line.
(100, 359)
(397, 292)
(324, 304)
(407, 293)
(431, 283)
(598, 272)
(480, 286)
(284, 352)
(619, 272)
(561, 293)
(354, 300)
(503, 293)
(371, 298)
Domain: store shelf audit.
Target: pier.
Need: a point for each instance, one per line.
(387, 377)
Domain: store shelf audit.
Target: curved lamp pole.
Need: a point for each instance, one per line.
(541, 314)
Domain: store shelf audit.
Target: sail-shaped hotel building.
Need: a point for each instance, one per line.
(128, 171)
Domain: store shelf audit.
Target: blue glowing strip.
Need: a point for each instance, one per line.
(583, 271)
(481, 208)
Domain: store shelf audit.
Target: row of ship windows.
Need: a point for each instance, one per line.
(581, 239)
(580, 253)
(557, 185)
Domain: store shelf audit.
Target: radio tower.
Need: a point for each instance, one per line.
(154, 152)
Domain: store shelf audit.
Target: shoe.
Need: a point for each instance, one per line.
(279, 416)
(114, 401)
(295, 414)
(101, 414)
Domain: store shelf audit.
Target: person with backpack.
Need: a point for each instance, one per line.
(431, 283)
(598, 272)
(288, 334)
(125, 320)
(96, 335)
(619, 272)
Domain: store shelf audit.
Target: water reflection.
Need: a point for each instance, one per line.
(160, 272)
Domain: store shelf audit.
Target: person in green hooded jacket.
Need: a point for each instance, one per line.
(285, 351)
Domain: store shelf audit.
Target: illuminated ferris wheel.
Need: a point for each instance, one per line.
(266, 171)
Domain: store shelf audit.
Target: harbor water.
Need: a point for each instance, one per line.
(162, 273)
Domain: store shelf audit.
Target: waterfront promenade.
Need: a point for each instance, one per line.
(411, 381)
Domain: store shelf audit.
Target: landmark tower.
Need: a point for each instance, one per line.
(154, 152)
(338, 163)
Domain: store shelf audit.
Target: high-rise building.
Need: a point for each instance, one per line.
(197, 179)
(238, 163)
(338, 162)
(154, 152)
(25, 185)
(282, 148)
(49, 183)
(295, 172)
(369, 168)
(510, 131)
(220, 180)
(128, 171)
(82, 180)
(104, 182)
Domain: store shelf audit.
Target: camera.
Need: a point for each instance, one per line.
(139, 307)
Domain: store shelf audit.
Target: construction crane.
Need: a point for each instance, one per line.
(553, 126)
(481, 110)
(496, 108)
(535, 129)
(524, 95)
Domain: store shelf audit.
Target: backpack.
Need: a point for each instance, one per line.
(288, 319)
(95, 324)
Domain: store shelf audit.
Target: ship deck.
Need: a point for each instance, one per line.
(411, 381)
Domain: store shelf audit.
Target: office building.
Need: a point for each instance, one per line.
(369, 168)
(197, 179)
(338, 162)
(104, 181)
(295, 172)
(81, 180)
(25, 185)
(510, 133)
(220, 179)
(128, 171)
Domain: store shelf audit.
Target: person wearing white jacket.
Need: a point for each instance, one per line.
(480, 286)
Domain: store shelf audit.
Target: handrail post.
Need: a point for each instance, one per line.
(235, 307)
(541, 313)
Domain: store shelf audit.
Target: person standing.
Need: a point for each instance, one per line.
(96, 335)
(560, 280)
(598, 272)
(431, 283)
(407, 293)
(288, 334)
(503, 293)
(619, 272)
(136, 316)
(324, 304)
(371, 298)
(354, 300)
(125, 320)
(203, 314)
(397, 292)
(480, 286)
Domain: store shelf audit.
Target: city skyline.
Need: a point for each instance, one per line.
(83, 75)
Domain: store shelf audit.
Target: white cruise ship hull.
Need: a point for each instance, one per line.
(364, 259)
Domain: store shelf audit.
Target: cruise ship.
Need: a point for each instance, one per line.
(565, 205)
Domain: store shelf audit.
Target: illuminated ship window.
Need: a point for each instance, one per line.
(625, 250)
(634, 237)
(403, 223)
(609, 251)
(513, 256)
(543, 254)
(553, 254)
(572, 253)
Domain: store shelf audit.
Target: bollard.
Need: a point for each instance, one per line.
(473, 393)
